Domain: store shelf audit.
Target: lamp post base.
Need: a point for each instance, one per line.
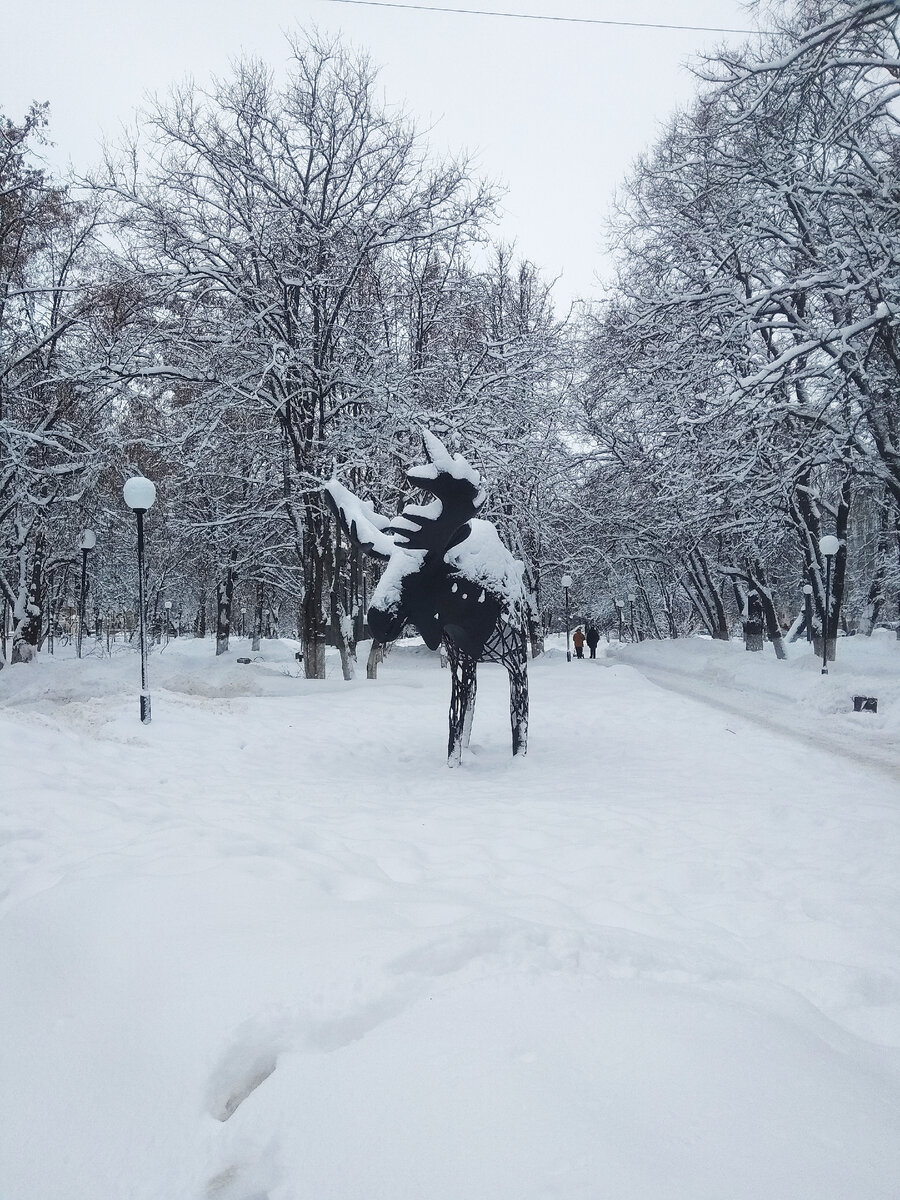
(145, 710)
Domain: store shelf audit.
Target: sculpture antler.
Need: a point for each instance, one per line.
(364, 526)
(444, 523)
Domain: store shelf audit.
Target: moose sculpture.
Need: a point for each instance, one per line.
(450, 576)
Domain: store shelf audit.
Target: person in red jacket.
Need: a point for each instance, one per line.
(578, 642)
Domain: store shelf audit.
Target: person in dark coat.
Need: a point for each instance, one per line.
(592, 637)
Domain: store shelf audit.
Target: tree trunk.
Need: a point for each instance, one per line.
(839, 567)
(817, 647)
(341, 621)
(668, 603)
(805, 510)
(534, 628)
(343, 635)
(317, 555)
(258, 616)
(876, 597)
(346, 659)
(28, 610)
(769, 611)
(644, 599)
(358, 593)
(753, 623)
(704, 595)
(200, 617)
(224, 593)
(376, 654)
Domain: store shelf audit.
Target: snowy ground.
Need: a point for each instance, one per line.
(271, 947)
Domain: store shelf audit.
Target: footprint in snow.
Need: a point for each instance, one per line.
(242, 1069)
(231, 1184)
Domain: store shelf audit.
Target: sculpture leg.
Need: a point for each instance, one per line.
(469, 683)
(508, 645)
(462, 702)
(518, 706)
(454, 747)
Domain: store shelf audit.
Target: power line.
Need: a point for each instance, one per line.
(481, 12)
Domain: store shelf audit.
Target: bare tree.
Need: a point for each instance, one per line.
(52, 389)
(262, 216)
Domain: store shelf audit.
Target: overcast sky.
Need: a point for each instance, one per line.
(555, 112)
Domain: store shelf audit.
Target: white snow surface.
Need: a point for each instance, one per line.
(482, 558)
(269, 947)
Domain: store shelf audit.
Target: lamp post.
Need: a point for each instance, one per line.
(828, 548)
(168, 607)
(620, 606)
(567, 583)
(87, 542)
(243, 620)
(631, 600)
(139, 494)
(807, 610)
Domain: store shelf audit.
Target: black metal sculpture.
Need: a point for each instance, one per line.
(451, 577)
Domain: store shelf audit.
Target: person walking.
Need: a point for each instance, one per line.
(592, 637)
(578, 642)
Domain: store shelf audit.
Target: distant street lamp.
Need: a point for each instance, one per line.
(620, 606)
(631, 600)
(807, 610)
(168, 607)
(567, 583)
(828, 548)
(243, 620)
(87, 543)
(139, 494)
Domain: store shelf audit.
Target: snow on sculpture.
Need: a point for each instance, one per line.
(450, 576)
